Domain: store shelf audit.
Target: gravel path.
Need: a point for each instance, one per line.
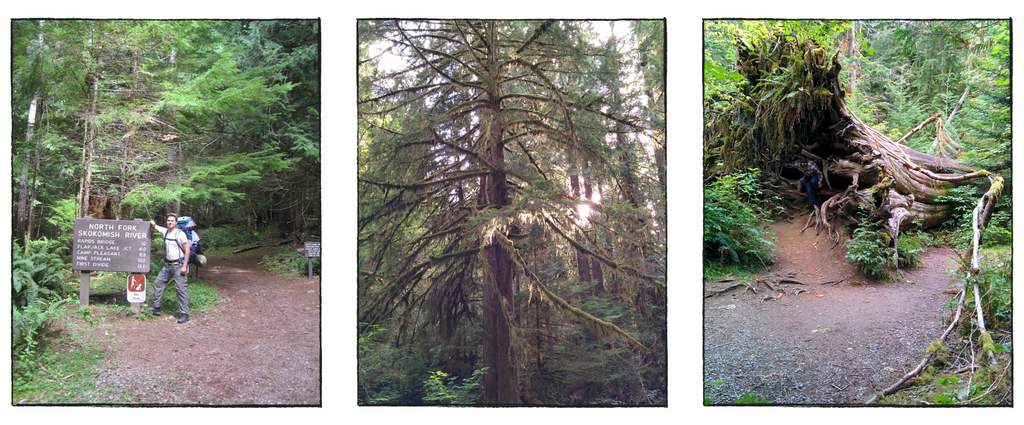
(821, 344)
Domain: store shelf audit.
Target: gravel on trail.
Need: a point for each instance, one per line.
(819, 343)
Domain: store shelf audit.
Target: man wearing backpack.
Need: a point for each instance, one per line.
(175, 265)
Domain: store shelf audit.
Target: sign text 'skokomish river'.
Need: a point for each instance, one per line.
(111, 245)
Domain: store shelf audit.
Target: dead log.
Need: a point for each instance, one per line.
(903, 139)
(797, 109)
(722, 291)
(259, 245)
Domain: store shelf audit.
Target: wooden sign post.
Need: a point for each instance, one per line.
(312, 251)
(108, 245)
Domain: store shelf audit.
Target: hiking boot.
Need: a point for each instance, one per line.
(155, 311)
(183, 319)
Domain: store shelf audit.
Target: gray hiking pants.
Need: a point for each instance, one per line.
(180, 286)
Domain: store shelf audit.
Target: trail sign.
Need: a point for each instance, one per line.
(312, 249)
(108, 245)
(111, 245)
(136, 288)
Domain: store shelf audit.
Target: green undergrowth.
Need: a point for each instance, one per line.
(61, 372)
(870, 250)
(61, 367)
(202, 295)
(746, 398)
(287, 261)
(735, 215)
(988, 385)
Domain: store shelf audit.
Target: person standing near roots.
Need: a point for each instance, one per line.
(175, 265)
(811, 182)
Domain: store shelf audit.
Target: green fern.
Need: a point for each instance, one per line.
(35, 280)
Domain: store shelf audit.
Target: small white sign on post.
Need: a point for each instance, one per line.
(136, 289)
(312, 251)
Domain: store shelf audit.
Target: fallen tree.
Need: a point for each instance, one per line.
(793, 108)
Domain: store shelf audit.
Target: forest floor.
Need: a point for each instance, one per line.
(820, 343)
(259, 346)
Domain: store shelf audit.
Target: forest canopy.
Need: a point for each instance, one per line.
(125, 119)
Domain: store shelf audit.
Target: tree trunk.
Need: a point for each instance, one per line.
(23, 180)
(956, 109)
(35, 191)
(501, 385)
(582, 261)
(128, 153)
(596, 274)
(90, 136)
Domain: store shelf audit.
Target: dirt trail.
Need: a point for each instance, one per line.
(260, 346)
(833, 344)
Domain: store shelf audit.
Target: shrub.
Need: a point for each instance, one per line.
(38, 273)
(869, 248)
(994, 278)
(29, 322)
(734, 216)
(226, 236)
(441, 388)
(911, 246)
(380, 369)
(289, 262)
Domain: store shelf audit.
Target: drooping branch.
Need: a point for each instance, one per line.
(397, 92)
(428, 183)
(602, 327)
(614, 265)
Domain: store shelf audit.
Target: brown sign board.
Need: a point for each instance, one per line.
(111, 245)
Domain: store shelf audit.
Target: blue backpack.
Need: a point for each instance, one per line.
(188, 225)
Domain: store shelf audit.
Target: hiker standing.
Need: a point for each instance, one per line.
(175, 265)
(811, 182)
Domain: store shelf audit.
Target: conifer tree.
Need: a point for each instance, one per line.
(467, 150)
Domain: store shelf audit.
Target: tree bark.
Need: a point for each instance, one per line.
(582, 261)
(90, 136)
(501, 385)
(35, 191)
(956, 109)
(596, 274)
(128, 153)
(23, 180)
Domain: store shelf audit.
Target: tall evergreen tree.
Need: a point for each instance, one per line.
(471, 141)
